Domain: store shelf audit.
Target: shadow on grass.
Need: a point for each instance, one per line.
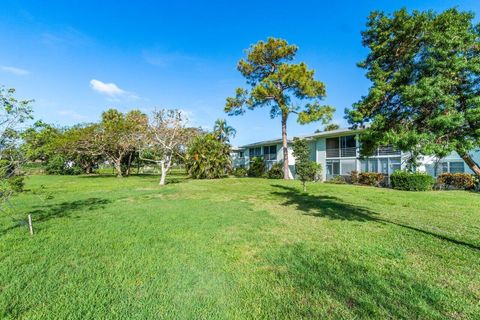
(171, 178)
(59, 210)
(334, 208)
(359, 288)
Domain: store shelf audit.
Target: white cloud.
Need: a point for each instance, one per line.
(15, 71)
(110, 89)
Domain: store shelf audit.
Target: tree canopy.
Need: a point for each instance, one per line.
(285, 87)
(425, 93)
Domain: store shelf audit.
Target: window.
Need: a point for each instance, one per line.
(457, 167)
(240, 154)
(333, 167)
(270, 152)
(333, 147)
(255, 152)
(349, 146)
(384, 165)
(348, 166)
(395, 164)
(444, 166)
(372, 165)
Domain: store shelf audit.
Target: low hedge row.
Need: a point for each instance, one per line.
(463, 181)
(411, 181)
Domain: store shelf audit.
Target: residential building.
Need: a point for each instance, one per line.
(338, 151)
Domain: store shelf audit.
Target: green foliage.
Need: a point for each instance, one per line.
(354, 177)
(282, 86)
(306, 169)
(463, 181)
(223, 131)
(353, 253)
(425, 70)
(331, 127)
(411, 181)
(16, 183)
(337, 180)
(239, 172)
(275, 172)
(40, 141)
(256, 168)
(371, 178)
(59, 165)
(13, 113)
(207, 158)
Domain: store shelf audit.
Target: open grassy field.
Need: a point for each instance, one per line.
(237, 248)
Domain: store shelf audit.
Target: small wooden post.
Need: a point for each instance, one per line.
(30, 226)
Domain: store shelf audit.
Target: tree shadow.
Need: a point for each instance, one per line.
(356, 285)
(60, 210)
(334, 208)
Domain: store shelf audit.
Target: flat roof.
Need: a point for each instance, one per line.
(332, 133)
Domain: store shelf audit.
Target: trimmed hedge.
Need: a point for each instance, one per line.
(275, 172)
(239, 172)
(463, 181)
(257, 167)
(402, 180)
(370, 178)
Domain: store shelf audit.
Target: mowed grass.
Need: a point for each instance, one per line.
(108, 248)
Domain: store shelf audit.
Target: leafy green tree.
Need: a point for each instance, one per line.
(39, 141)
(285, 87)
(329, 127)
(118, 135)
(223, 131)
(207, 158)
(78, 145)
(306, 169)
(425, 73)
(13, 113)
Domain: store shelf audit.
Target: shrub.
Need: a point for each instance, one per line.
(305, 168)
(402, 180)
(256, 168)
(337, 180)
(354, 177)
(463, 181)
(370, 178)
(16, 183)
(59, 165)
(207, 158)
(276, 171)
(240, 172)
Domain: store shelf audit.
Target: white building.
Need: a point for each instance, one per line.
(338, 151)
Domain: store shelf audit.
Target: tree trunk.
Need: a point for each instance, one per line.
(118, 167)
(165, 167)
(470, 162)
(129, 164)
(285, 147)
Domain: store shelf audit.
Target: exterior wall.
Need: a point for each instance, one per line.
(431, 164)
(237, 161)
(321, 154)
(269, 163)
(318, 153)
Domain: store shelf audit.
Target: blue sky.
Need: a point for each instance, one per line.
(78, 58)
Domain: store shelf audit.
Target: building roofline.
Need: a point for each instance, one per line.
(332, 133)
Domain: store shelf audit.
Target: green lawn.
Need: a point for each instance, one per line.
(238, 248)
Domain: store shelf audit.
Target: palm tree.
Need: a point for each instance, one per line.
(223, 131)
